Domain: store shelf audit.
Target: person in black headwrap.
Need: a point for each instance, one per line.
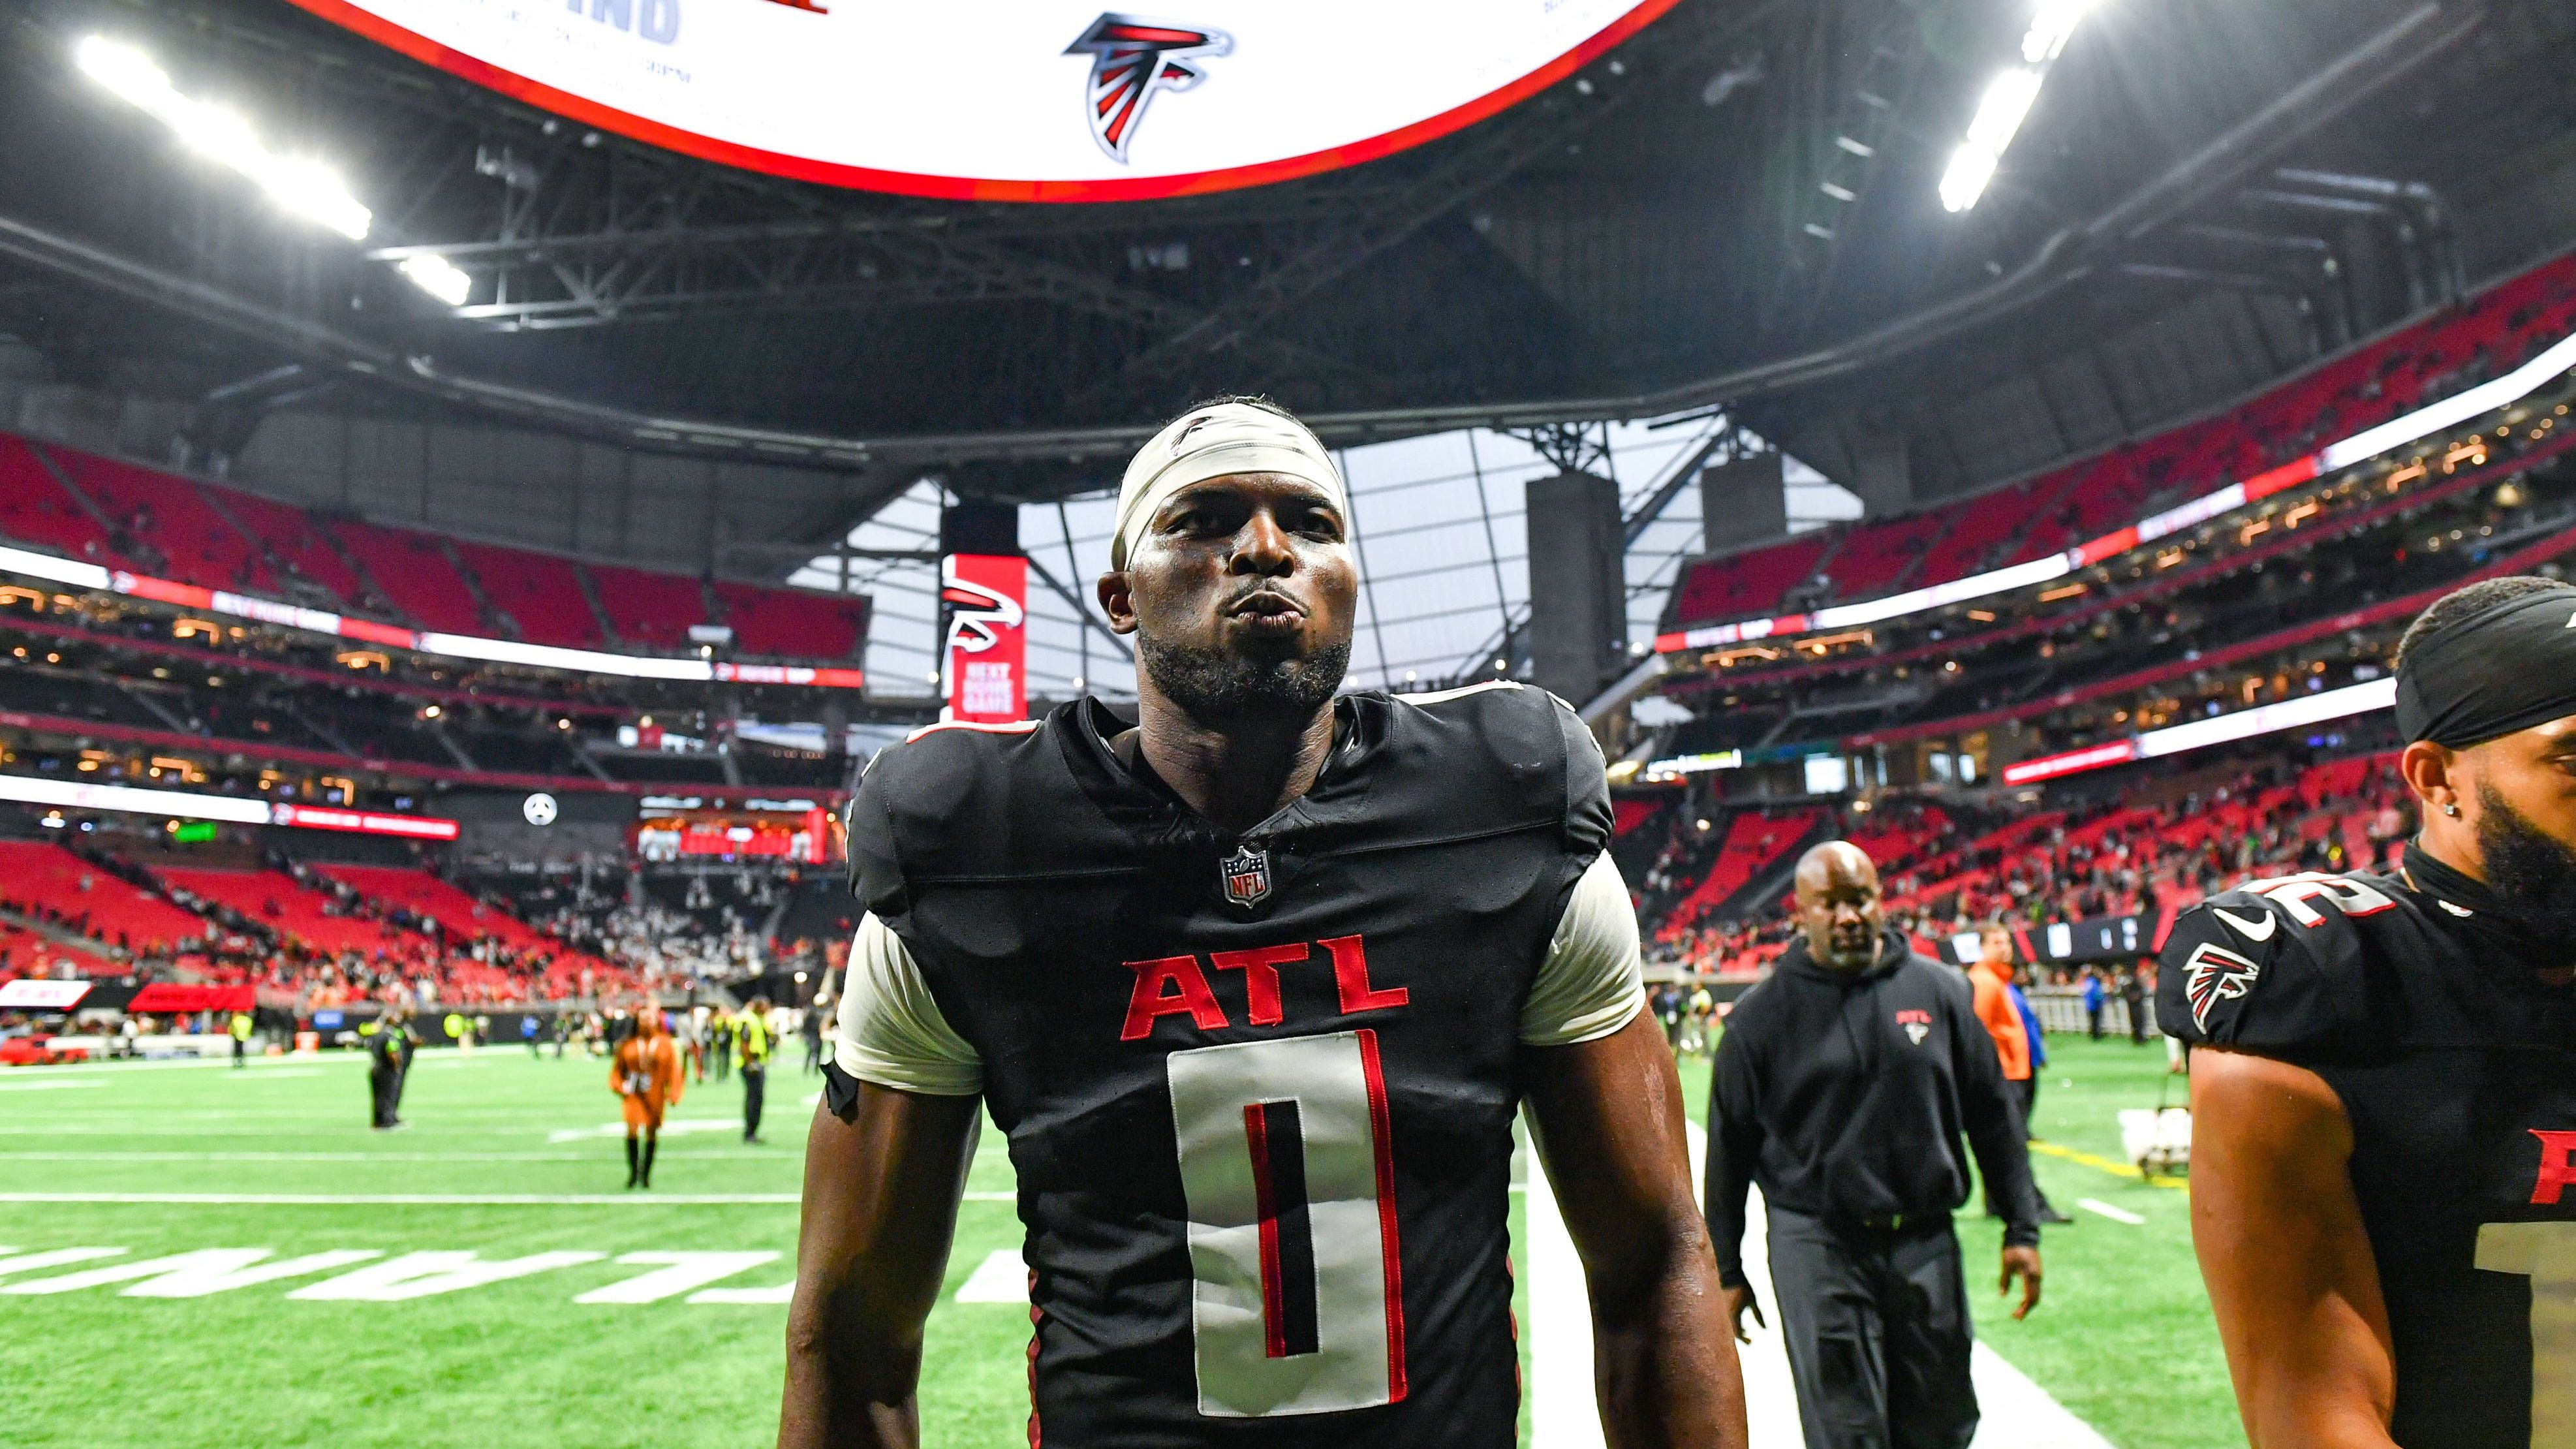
(2384, 1128)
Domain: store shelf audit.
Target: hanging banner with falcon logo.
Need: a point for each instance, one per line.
(983, 660)
(1012, 100)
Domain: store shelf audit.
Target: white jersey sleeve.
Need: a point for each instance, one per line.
(1593, 982)
(890, 1031)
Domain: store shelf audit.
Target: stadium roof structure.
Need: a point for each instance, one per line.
(1738, 208)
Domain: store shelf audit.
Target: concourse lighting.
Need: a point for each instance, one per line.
(302, 186)
(437, 276)
(2007, 103)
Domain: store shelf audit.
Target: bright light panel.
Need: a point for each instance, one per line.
(1999, 115)
(1971, 167)
(2050, 29)
(437, 276)
(304, 187)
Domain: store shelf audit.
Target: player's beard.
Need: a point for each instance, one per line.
(2530, 871)
(1216, 687)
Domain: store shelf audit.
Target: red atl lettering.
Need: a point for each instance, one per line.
(1351, 978)
(1260, 968)
(1170, 986)
(2557, 1166)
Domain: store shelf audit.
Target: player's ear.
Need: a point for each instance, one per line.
(2432, 772)
(1118, 601)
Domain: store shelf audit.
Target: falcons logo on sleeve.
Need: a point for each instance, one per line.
(1131, 59)
(2214, 974)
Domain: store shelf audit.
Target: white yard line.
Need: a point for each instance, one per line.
(2018, 1414)
(2117, 1215)
(303, 1157)
(438, 1199)
(1003, 1277)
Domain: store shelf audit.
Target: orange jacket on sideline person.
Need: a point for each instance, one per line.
(1995, 1009)
(651, 1062)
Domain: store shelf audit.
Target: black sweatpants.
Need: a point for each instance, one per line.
(384, 1094)
(1878, 1333)
(753, 1079)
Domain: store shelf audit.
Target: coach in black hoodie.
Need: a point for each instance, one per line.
(1842, 1087)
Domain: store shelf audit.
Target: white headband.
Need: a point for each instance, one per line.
(1212, 442)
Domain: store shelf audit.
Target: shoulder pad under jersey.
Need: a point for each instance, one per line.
(911, 795)
(1539, 744)
(2275, 965)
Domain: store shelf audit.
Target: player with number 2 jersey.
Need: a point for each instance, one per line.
(2384, 1130)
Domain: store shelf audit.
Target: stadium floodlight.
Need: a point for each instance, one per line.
(1999, 116)
(437, 276)
(301, 186)
(2051, 28)
(2007, 102)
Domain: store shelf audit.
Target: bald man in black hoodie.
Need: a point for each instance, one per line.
(1842, 1088)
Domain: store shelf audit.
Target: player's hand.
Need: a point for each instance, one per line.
(1735, 1301)
(2025, 1263)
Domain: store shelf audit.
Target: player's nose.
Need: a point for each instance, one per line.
(1262, 546)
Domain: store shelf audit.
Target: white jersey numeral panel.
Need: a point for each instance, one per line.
(1297, 1304)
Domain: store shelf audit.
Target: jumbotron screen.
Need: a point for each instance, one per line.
(1012, 100)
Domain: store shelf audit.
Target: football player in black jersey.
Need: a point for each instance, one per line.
(1255, 990)
(2384, 1095)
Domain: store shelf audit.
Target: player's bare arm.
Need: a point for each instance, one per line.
(1608, 1114)
(2288, 1264)
(882, 1184)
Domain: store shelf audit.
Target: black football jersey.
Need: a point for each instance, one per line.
(2418, 1003)
(1259, 1091)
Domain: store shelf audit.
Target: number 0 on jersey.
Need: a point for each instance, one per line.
(1297, 1300)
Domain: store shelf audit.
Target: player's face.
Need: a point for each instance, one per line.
(1242, 594)
(2524, 789)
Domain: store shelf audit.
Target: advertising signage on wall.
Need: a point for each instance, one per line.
(1012, 100)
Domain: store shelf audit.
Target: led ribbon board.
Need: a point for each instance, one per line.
(2199, 734)
(2360, 447)
(191, 805)
(1012, 100)
(76, 574)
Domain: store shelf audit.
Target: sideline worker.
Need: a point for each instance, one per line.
(1990, 987)
(755, 1041)
(239, 1028)
(1842, 1086)
(646, 1074)
(390, 1045)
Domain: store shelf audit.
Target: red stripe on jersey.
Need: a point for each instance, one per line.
(1037, 1323)
(1391, 1247)
(1265, 1197)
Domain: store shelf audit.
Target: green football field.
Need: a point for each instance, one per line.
(482, 1277)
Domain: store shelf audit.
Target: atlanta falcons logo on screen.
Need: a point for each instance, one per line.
(1131, 59)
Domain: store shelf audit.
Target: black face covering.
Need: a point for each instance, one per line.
(2498, 671)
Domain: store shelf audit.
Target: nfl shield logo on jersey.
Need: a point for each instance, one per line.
(1247, 876)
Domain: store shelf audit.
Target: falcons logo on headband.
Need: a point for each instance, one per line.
(2212, 975)
(1131, 59)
